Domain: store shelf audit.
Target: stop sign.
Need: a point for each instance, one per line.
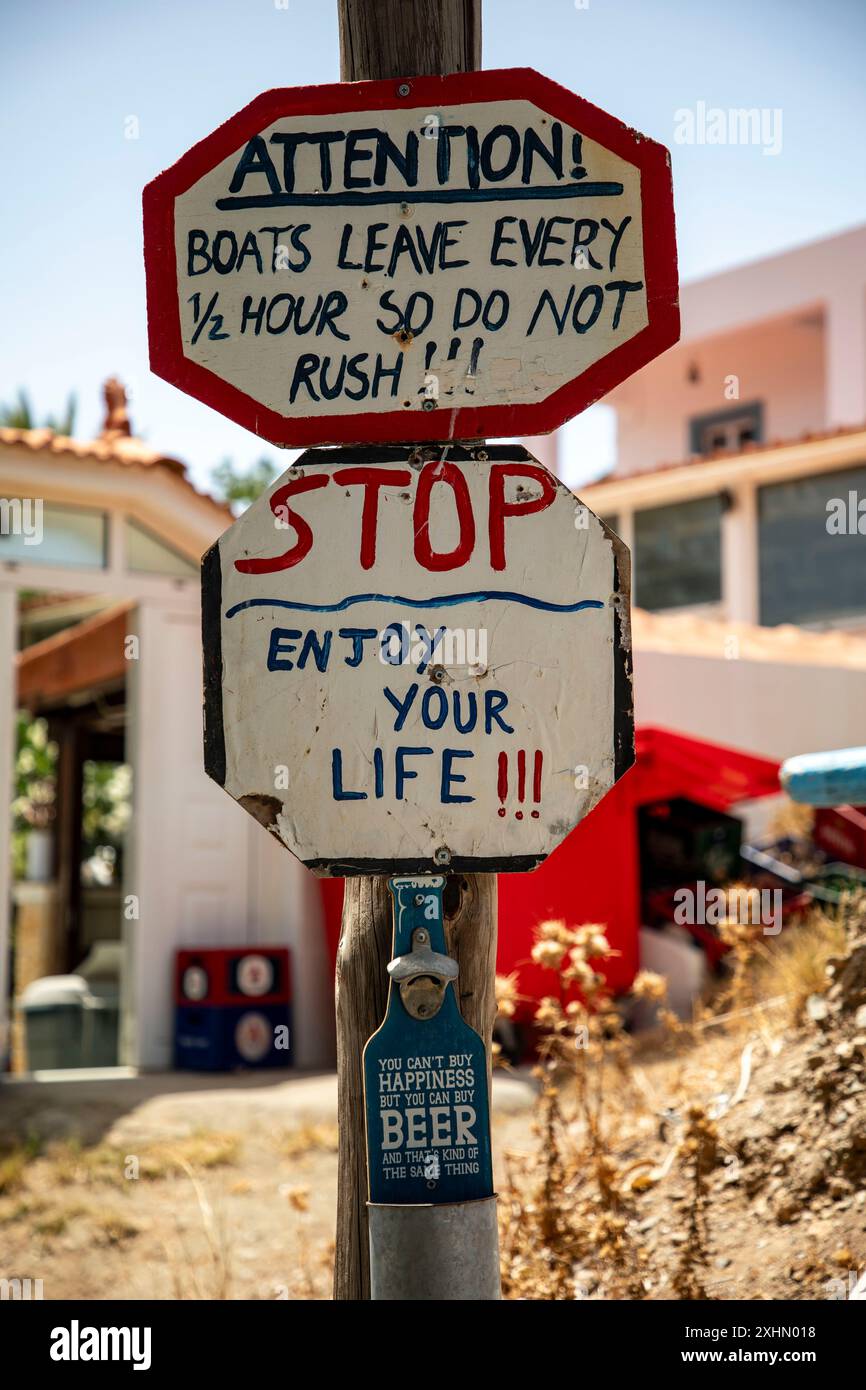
(417, 658)
(439, 258)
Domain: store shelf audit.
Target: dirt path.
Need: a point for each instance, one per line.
(228, 1192)
(180, 1190)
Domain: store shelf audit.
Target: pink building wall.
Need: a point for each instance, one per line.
(792, 327)
(781, 364)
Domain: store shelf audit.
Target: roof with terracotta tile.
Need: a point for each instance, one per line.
(108, 448)
(115, 444)
(719, 455)
(90, 653)
(689, 634)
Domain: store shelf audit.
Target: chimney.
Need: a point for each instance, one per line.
(116, 422)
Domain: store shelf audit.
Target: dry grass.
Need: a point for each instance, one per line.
(113, 1228)
(795, 966)
(571, 1209)
(567, 1207)
(215, 1215)
(194, 1275)
(14, 1160)
(76, 1165)
(202, 1151)
(319, 1138)
(698, 1153)
(56, 1217)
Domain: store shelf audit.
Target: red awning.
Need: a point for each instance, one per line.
(670, 764)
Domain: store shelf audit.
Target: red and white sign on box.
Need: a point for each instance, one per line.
(417, 659)
(470, 256)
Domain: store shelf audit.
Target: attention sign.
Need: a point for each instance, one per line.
(476, 255)
(417, 658)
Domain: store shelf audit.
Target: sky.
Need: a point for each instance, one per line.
(81, 76)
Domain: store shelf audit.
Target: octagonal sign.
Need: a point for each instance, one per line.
(441, 258)
(417, 659)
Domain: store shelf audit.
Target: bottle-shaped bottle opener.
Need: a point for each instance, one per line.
(425, 1069)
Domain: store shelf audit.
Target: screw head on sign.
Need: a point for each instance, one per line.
(404, 89)
(442, 855)
(437, 674)
(428, 404)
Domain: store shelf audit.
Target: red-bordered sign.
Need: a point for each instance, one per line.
(439, 420)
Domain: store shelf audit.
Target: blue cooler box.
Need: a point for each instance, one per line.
(221, 1038)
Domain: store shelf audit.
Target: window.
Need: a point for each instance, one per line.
(34, 532)
(812, 559)
(612, 520)
(147, 554)
(678, 554)
(727, 429)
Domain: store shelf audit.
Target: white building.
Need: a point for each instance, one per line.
(738, 447)
(123, 530)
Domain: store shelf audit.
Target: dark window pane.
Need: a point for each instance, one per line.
(612, 520)
(809, 573)
(727, 429)
(147, 554)
(678, 557)
(34, 532)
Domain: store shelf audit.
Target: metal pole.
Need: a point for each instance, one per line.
(439, 1253)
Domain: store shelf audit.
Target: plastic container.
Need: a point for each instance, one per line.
(65, 1025)
(53, 1010)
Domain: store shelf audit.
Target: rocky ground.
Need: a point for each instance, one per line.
(221, 1192)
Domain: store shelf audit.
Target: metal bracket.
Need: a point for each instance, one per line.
(423, 975)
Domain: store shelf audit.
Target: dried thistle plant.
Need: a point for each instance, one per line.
(567, 1216)
(698, 1153)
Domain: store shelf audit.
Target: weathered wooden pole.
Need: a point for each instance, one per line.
(399, 39)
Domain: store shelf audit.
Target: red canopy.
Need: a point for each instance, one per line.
(594, 874)
(670, 764)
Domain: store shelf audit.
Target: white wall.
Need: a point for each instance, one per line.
(285, 910)
(188, 860)
(792, 327)
(781, 364)
(757, 706)
(8, 643)
(202, 870)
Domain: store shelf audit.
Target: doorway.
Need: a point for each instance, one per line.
(71, 810)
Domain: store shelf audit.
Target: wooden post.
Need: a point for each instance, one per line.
(381, 39)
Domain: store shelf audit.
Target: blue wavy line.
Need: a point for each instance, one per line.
(443, 601)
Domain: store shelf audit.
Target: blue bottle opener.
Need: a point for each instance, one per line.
(425, 1069)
